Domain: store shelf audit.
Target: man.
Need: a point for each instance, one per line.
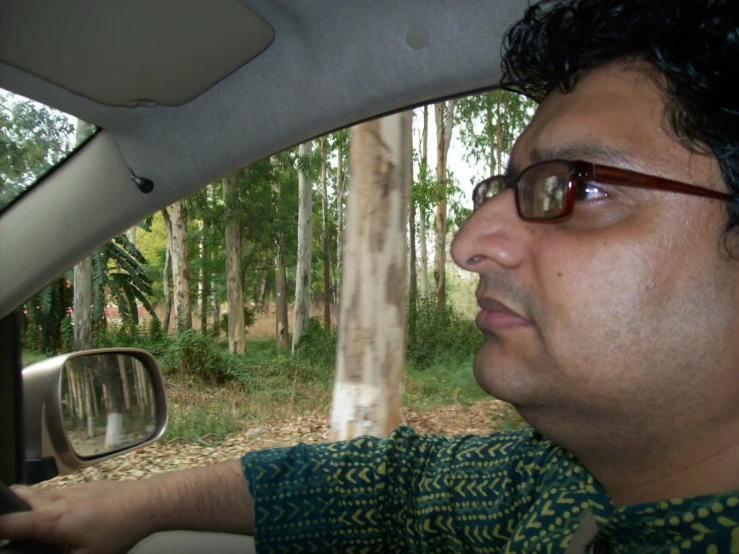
(609, 288)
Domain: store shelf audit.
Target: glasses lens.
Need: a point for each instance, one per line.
(487, 189)
(542, 190)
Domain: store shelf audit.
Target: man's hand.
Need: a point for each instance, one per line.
(110, 517)
(104, 516)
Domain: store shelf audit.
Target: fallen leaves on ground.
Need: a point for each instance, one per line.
(480, 418)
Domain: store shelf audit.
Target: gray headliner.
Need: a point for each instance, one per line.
(331, 64)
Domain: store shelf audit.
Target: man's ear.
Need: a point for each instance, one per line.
(729, 244)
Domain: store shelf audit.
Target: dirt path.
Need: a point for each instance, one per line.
(480, 418)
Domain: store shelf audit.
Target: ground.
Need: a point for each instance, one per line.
(479, 418)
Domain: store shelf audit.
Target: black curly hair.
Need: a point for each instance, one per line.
(692, 44)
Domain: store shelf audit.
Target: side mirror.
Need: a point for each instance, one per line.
(85, 407)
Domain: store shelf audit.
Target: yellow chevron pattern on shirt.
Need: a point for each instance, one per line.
(509, 492)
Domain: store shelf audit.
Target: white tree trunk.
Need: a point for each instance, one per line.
(339, 225)
(444, 125)
(82, 301)
(423, 255)
(234, 292)
(82, 305)
(177, 222)
(367, 396)
(326, 257)
(305, 240)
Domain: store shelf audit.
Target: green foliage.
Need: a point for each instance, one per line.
(191, 352)
(317, 345)
(44, 313)
(439, 335)
(250, 318)
(118, 274)
(33, 138)
(67, 334)
(200, 422)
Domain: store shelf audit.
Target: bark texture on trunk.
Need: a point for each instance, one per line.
(367, 396)
(166, 274)
(326, 258)
(305, 240)
(234, 291)
(82, 305)
(177, 221)
(281, 329)
(408, 178)
(422, 212)
(444, 122)
(339, 226)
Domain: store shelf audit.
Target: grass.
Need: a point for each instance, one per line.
(276, 388)
(280, 387)
(28, 357)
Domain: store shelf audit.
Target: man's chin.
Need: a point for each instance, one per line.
(506, 379)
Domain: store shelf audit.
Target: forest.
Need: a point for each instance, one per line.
(238, 286)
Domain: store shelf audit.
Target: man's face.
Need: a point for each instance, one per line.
(627, 309)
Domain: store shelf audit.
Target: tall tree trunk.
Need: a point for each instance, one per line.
(499, 132)
(408, 177)
(326, 258)
(305, 239)
(444, 124)
(204, 276)
(339, 225)
(82, 305)
(177, 223)
(82, 299)
(281, 328)
(422, 219)
(281, 321)
(367, 396)
(165, 289)
(494, 169)
(234, 292)
(132, 235)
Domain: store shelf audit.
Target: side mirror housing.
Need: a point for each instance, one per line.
(85, 407)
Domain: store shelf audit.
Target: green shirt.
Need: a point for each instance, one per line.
(513, 492)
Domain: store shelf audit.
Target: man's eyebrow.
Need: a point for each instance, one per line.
(585, 151)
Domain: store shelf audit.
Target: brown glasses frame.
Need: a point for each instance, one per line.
(581, 172)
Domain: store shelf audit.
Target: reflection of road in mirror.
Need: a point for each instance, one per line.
(107, 403)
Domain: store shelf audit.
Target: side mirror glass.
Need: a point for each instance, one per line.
(107, 402)
(84, 407)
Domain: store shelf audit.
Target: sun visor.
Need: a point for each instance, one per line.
(131, 52)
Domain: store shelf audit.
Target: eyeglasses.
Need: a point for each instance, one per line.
(547, 191)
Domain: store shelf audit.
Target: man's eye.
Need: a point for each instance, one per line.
(589, 191)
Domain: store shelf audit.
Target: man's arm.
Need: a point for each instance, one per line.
(111, 517)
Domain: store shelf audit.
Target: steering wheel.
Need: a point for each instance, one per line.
(10, 503)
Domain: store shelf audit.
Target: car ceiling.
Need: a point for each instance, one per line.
(219, 84)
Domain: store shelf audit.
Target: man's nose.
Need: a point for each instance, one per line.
(493, 237)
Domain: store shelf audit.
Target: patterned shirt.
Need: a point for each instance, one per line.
(509, 492)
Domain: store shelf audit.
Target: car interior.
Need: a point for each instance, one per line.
(183, 92)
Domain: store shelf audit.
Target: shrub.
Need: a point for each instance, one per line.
(191, 352)
(317, 346)
(439, 334)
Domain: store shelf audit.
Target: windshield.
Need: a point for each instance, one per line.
(34, 138)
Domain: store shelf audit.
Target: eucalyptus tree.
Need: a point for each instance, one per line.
(367, 396)
(444, 116)
(421, 196)
(82, 316)
(305, 243)
(488, 126)
(340, 142)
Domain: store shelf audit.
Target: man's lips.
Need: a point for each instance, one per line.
(495, 317)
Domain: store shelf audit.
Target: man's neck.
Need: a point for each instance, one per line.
(707, 466)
